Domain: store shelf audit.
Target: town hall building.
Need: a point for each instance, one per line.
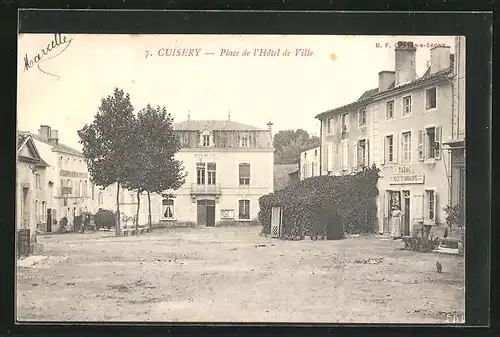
(229, 166)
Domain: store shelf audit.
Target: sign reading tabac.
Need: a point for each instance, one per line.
(73, 174)
(411, 178)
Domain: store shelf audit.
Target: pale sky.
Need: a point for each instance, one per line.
(287, 90)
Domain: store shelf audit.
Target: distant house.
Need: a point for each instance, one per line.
(309, 163)
(282, 175)
(29, 185)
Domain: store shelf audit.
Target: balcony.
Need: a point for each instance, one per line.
(206, 189)
(66, 191)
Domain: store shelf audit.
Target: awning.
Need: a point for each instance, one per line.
(455, 144)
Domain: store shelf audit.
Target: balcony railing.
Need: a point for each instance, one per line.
(205, 189)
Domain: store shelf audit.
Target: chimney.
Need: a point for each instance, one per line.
(385, 79)
(54, 137)
(405, 62)
(44, 132)
(440, 58)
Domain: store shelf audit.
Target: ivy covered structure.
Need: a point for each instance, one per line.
(324, 206)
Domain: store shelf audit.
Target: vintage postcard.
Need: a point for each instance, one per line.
(240, 178)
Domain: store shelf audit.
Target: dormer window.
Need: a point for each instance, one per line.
(244, 141)
(206, 139)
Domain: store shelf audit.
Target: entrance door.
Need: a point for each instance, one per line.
(49, 220)
(210, 215)
(206, 213)
(406, 211)
(25, 209)
(202, 213)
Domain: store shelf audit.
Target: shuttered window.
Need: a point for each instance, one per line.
(244, 174)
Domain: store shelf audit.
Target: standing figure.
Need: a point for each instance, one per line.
(396, 216)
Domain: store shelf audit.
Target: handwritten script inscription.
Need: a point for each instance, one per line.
(53, 49)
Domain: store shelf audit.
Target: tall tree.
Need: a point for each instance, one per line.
(289, 143)
(154, 169)
(106, 144)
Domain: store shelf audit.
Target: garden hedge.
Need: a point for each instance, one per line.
(306, 205)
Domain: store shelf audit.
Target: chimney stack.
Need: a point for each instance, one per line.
(44, 132)
(54, 137)
(440, 59)
(405, 62)
(385, 79)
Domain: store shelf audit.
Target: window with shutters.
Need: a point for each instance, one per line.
(389, 149)
(345, 124)
(406, 147)
(329, 156)
(38, 183)
(167, 211)
(211, 173)
(407, 106)
(362, 155)
(362, 117)
(431, 143)
(430, 98)
(430, 205)
(200, 173)
(345, 155)
(389, 110)
(244, 174)
(244, 209)
(329, 125)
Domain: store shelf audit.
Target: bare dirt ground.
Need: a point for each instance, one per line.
(235, 275)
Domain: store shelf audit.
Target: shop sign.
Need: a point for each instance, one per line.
(412, 178)
(73, 174)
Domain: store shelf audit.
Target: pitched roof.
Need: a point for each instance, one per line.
(196, 125)
(56, 147)
(281, 175)
(368, 93)
(366, 98)
(25, 141)
(21, 139)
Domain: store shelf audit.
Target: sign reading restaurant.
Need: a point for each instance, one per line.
(73, 174)
(406, 175)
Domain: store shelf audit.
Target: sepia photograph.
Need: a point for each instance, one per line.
(240, 178)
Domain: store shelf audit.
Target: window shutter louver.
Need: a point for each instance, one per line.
(367, 153)
(395, 148)
(420, 145)
(382, 150)
(435, 207)
(354, 163)
(438, 135)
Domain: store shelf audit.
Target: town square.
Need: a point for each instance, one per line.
(209, 188)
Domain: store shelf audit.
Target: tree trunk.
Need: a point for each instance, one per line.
(117, 227)
(149, 216)
(137, 215)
